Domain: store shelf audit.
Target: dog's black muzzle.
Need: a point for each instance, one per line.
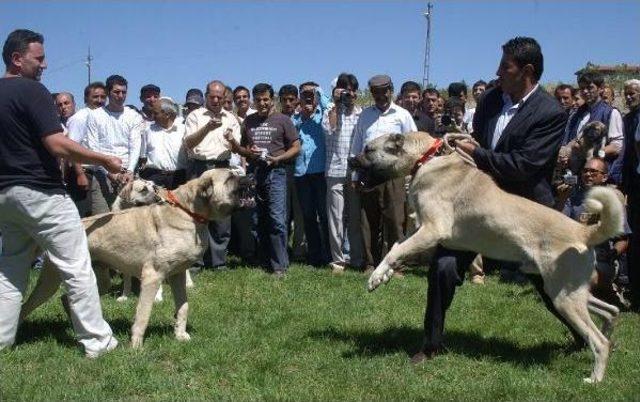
(364, 168)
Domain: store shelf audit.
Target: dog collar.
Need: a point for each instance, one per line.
(427, 156)
(173, 201)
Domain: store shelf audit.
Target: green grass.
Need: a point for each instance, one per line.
(314, 336)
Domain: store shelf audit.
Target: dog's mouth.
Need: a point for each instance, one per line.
(246, 192)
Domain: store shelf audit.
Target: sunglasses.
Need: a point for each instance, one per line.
(592, 171)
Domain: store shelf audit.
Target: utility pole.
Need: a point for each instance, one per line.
(427, 47)
(88, 64)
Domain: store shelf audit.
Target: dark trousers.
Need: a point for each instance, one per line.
(270, 217)
(219, 231)
(445, 274)
(167, 179)
(382, 218)
(633, 253)
(82, 198)
(312, 194)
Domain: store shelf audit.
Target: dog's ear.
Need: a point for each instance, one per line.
(205, 188)
(125, 193)
(395, 143)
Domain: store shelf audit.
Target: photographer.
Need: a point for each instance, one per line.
(343, 202)
(609, 255)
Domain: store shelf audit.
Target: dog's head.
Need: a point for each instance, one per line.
(390, 156)
(593, 133)
(224, 190)
(139, 192)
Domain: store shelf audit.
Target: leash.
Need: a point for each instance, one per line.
(451, 137)
(173, 201)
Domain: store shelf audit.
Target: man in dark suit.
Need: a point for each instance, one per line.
(519, 128)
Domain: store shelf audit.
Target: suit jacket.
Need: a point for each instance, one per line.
(630, 177)
(525, 155)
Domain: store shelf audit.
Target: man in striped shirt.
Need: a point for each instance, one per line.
(342, 200)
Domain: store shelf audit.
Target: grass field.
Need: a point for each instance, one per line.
(314, 336)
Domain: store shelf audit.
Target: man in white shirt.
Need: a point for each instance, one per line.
(66, 106)
(382, 205)
(477, 90)
(208, 149)
(114, 130)
(164, 150)
(242, 100)
(77, 176)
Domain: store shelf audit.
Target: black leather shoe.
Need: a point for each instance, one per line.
(426, 354)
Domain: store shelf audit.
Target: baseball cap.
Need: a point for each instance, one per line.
(194, 95)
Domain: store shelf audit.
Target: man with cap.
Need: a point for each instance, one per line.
(382, 205)
(149, 94)
(194, 100)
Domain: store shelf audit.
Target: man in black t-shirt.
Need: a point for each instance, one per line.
(35, 211)
(269, 142)
(410, 93)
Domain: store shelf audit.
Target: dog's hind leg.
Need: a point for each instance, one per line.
(573, 306)
(421, 241)
(126, 288)
(149, 284)
(179, 290)
(606, 311)
(47, 285)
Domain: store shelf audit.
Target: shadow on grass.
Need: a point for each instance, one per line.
(409, 340)
(62, 331)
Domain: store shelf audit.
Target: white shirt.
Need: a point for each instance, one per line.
(77, 126)
(467, 120)
(508, 111)
(164, 149)
(374, 123)
(615, 135)
(636, 136)
(116, 133)
(214, 146)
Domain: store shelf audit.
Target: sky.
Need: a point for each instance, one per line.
(182, 45)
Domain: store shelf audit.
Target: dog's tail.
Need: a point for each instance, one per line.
(605, 202)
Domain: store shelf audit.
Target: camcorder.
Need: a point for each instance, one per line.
(307, 96)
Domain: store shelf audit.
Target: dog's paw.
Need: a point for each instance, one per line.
(122, 298)
(381, 275)
(183, 336)
(136, 342)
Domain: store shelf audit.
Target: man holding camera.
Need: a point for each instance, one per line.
(338, 124)
(382, 205)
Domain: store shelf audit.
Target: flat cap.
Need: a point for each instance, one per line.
(378, 81)
(195, 96)
(149, 88)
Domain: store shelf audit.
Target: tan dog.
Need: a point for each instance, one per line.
(461, 208)
(156, 242)
(137, 193)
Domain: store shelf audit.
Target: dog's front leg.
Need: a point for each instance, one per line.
(149, 284)
(421, 241)
(179, 290)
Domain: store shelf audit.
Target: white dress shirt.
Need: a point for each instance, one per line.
(214, 146)
(374, 123)
(164, 147)
(116, 133)
(508, 111)
(77, 126)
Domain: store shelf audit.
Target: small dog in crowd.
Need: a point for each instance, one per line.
(574, 155)
(460, 207)
(156, 242)
(137, 193)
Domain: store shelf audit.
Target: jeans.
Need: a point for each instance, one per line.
(270, 217)
(312, 193)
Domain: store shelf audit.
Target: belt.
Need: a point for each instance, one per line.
(213, 162)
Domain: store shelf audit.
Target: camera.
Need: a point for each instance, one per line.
(569, 178)
(446, 120)
(345, 97)
(307, 96)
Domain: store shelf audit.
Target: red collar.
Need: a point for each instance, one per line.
(427, 156)
(172, 200)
